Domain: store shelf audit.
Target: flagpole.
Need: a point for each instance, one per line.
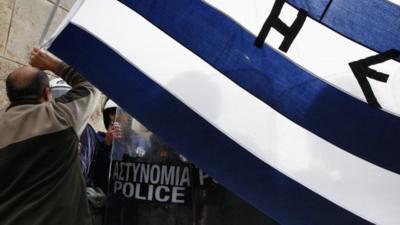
(49, 21)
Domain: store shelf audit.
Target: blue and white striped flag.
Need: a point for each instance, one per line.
(308, 135)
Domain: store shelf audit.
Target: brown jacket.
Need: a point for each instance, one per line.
(41, 182)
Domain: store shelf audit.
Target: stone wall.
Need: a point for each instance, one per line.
(21, 25)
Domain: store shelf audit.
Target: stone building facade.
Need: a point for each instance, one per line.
(21, 25)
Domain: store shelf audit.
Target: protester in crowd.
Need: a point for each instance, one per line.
(87, 141)
(41, 179)
(104, 142)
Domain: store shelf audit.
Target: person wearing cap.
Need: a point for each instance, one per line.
(87, 141)
(41, 180)
(104, 142)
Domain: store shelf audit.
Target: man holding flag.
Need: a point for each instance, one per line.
(41, 178)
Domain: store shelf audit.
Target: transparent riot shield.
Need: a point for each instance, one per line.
(150, 184)
(215, 205)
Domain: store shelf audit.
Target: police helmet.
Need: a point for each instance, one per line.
(59, 87)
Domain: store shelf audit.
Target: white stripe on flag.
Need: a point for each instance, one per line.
(318, 49)
(395, 1)
(354, 184)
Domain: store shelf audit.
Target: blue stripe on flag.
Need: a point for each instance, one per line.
(266, 188)
(354, 19)
(348, 123)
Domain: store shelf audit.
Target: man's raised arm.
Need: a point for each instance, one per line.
(77, 105)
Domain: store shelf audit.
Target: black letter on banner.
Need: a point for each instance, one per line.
(273, 20)
(361, 71)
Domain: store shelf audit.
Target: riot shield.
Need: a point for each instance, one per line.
(150, 184)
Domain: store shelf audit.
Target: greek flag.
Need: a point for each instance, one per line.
(292, 105)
